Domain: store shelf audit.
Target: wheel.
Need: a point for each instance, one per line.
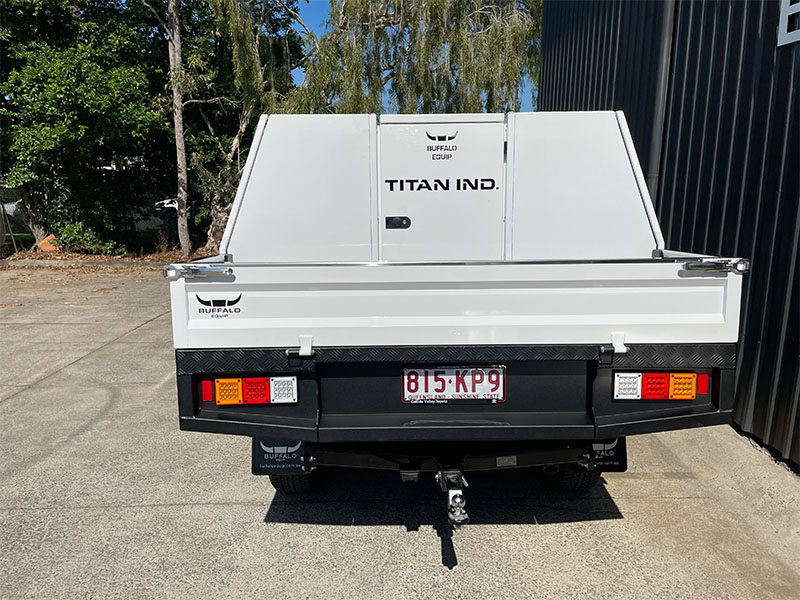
(573, 478)
(298, 483)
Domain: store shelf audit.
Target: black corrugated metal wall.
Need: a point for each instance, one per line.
(589, 63)
(714, 109)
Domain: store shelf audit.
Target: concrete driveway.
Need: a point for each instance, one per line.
(102, 496)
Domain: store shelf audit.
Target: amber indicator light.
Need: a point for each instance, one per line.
(228, 391)
(682, 386)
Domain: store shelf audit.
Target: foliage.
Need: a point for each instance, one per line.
(422, 56)
(85, 99)
(65, 104)
(81, 133)
(412, 55)
(78, 237)
(245, 73)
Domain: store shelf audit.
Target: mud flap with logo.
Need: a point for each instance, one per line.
(611, 456)
(278, 457)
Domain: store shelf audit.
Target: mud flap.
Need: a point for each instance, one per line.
(278, 457)
(611, 456)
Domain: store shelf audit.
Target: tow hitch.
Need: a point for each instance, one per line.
(452, 483)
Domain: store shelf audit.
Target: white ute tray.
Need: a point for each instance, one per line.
(448, 230)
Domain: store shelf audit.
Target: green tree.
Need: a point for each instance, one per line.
(172, 29)
(421, 56)
(242, 71)
(404, 55)
(88, 89)
(81, 135)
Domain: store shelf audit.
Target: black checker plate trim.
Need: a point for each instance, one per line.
(246, 360)
(456, 354)
(250, 360)
(717, 356)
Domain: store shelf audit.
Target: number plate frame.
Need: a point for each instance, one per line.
(450, 375)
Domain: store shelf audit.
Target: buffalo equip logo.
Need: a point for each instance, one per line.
(280, 453)
(605, 450)
(441, 138)
(441, 151)
(219, 308)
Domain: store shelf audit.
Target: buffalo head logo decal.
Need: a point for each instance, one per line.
(218, 303)
(280, 449)
(441, 138)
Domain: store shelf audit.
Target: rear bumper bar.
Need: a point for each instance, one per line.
(622, 428)
(554, 393)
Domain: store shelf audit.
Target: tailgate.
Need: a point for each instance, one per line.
(286, 306)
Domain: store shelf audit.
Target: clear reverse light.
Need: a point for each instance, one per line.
(283, 390)
(627, 386)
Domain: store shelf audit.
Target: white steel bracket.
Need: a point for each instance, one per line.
(618, 342)
(306, 343)
(306, 350)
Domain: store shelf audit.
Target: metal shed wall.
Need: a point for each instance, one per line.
(714, 109)
(589, 63)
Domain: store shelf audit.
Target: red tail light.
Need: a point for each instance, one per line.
(702, 383)
(655, 386)
(207, 391)
(256, 390)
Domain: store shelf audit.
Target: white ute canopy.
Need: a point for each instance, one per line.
(434, 188)
(449, 230)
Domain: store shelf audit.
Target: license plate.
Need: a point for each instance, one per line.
(454, 385)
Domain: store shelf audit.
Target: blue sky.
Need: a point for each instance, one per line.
(314, 14)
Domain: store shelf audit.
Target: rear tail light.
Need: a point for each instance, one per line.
(256, 390)
(283, 390)
(249, 390)
(228, 391)
(628, 386)
(660, 386)
(682, 386)
(655, 386)
(702, 384)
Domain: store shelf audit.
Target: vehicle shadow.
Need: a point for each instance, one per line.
(359, 497)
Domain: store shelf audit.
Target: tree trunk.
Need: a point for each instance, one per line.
(34, 214)
(221, 202)
(175, 61)
(219, 216)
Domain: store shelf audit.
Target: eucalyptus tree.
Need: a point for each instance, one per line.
(403, 55)
(255, 57)
(421, 56)
(171, 27)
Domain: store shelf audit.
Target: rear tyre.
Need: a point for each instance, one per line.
(572, 478)
(299, 483)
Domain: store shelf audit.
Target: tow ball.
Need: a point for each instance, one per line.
(452, 483)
